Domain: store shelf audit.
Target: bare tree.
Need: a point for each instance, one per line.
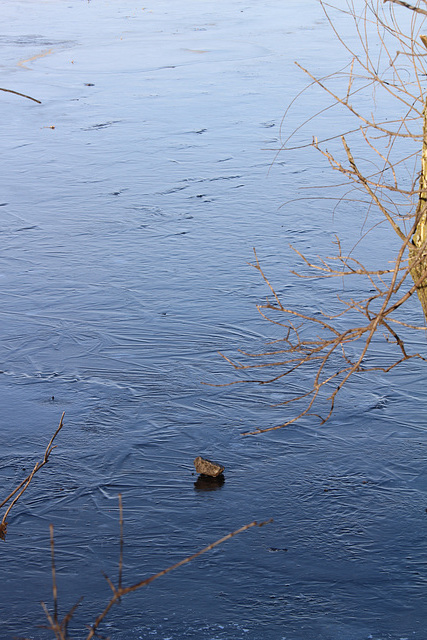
(388, 178)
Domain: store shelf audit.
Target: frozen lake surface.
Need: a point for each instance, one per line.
(131, 200)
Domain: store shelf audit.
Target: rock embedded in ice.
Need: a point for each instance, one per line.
(207, 468)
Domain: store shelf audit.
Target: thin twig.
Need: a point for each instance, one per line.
(23, 95)
(54, 587)
(119, 593)
(408, 6)
(19, 490)
(60, 627)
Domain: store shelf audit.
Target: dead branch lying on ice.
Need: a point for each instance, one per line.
(23, 95)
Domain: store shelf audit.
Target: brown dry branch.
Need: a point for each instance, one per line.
(408, 6)
(23, 486)
(384, 157)
(23, 95)
(60, 627)
(322, 353)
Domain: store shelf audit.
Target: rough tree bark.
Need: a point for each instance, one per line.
(418, 249)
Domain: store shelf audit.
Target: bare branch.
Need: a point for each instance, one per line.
(17, 93)
(60, 627)
(19, 490)
(408, 6)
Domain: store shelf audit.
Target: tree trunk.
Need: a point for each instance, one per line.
(418, 248)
